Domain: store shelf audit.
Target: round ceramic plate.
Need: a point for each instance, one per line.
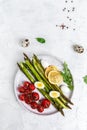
(20, 77)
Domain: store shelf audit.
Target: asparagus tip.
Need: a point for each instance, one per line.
(25, 55)
(69, 106)
(62, 113)
(72, 103)
(25, 58)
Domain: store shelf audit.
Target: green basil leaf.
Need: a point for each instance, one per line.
(41, 40)
(85, 79)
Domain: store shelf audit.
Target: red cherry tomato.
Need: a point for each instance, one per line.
(35, 96)
(40, 108)
(27, 91)
(45, 103)
(21, 89)
(34, 105)
(22, 97)
(26, 84)
(27, 99)
(31, 87)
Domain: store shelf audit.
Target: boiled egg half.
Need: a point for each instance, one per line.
(54, 94)
(39, 85)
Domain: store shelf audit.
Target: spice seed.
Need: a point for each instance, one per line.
(64, 9)
(74, 29)
(66, 1)
(70, 19)
(73, 9)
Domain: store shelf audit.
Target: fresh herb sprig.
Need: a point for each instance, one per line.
(67, 76)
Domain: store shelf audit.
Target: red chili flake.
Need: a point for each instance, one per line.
(62, 26)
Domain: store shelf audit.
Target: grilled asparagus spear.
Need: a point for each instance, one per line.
(37, 64)
(32, 79)
(47, 87)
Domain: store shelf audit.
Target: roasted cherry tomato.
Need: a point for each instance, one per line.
(35, 96)
(31, 87)
(34, 105)
(21, 89)
(40, 108)
(22, 97)
(26, 84)
(45, 103)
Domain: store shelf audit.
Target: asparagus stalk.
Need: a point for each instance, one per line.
(31, 78)
(37, 64)
(26, 72)
(47, 87)
(37, 67)
(37, 76)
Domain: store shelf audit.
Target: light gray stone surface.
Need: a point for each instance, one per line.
(21, 19)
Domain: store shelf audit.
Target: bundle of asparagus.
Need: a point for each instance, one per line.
(34, 71)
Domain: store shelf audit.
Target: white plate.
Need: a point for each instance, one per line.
(20, 77)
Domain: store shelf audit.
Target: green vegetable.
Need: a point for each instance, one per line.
(47, 87)
(41, 40)
(67, 76)
(85, 79)
(32, 79)
(35, 71)
(36, 75)
(40, 69)
(32, 66)
(41, 72)
(26, 72)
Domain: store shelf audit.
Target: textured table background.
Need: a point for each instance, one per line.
(38, 18)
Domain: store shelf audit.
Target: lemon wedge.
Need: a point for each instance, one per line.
(49, 68)
(55, 77)
(54, 94)
(39, 85)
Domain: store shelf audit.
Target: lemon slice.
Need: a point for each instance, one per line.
(54, 94)
(55, 77)
(49, 68)
(39, 85)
